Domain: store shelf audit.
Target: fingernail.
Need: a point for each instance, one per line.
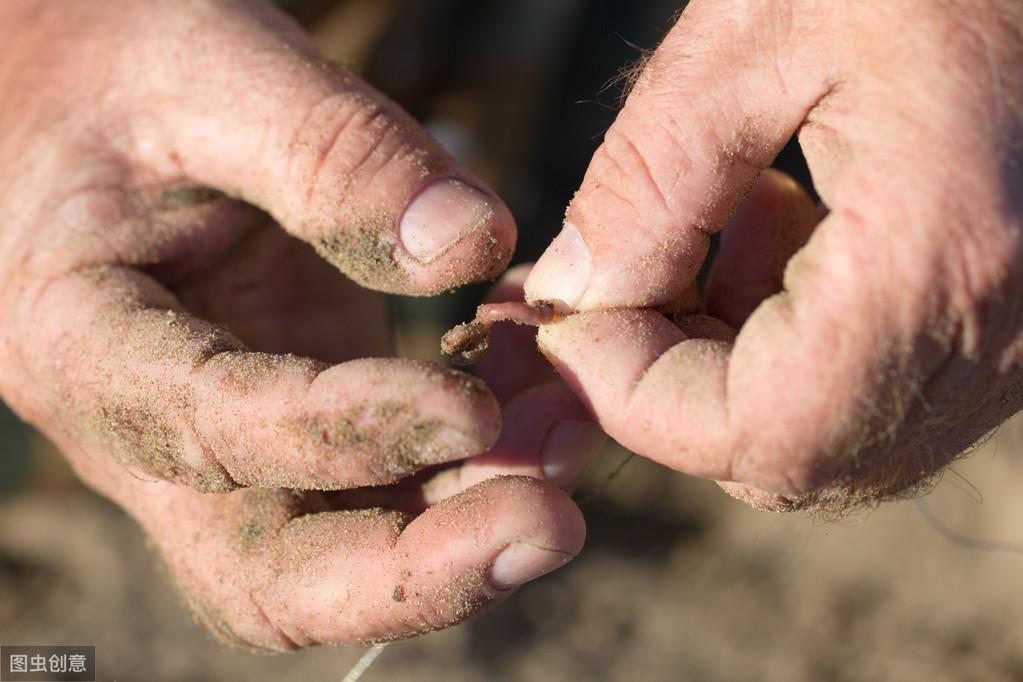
(563, 273)
(421, 446)
(521, 562)
(568, 448)
(440, 216)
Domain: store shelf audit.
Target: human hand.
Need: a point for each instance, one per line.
(144, 319)
(892, 340)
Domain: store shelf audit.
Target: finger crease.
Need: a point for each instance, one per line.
(278, 631)
(210, 457)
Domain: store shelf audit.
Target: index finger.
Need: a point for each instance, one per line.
(127, 372)
(711, 109)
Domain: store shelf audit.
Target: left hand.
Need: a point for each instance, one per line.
(149, 313)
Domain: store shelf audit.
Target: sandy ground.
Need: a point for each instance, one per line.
(677, 583)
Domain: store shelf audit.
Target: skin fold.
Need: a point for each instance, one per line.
(890, 341)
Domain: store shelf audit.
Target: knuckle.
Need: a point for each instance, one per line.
(628, 170)
(239, 622)
(346, 140)
(87, 394)
(146, 438)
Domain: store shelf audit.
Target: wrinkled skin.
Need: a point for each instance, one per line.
(144, 321)
(891, 341)
(139, 312)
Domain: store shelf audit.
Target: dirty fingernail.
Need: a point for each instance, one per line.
(568, 448)
(440, 216)
(563, 273)
(521, 562)
(426, 446)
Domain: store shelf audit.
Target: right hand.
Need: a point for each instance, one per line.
(893, 339)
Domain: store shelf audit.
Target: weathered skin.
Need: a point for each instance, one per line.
(894, 339)
(895, 342)
(146, 320)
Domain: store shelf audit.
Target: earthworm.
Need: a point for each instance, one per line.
(467, 343)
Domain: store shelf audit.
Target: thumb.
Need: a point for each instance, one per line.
(269, 120)
(711, 109)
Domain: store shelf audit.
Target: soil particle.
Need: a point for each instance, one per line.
(459, 598)
(185, 197)
(365, 252)
(392, 438)
(139, 438)
(252, 532)
(415, 440)
(263, 513)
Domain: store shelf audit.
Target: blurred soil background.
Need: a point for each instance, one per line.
(677, 582)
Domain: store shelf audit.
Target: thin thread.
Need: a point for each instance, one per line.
(599, 490)
(962, 540)
(363, 664)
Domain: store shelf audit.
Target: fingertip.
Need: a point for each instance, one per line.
(439, 400)
(464, 555)
(522, 526)
(501, 510)
(521, 562)
(654, 388)
(451, 234)
(563, 273)
(602, 353)
(547, 434)
(366, 422)
(568, 448)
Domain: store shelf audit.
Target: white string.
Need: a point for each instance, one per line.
(965, 541)
(364, 663)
